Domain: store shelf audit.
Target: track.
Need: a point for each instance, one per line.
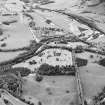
(80, 94)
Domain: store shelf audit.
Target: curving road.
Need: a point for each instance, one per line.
(10, 98)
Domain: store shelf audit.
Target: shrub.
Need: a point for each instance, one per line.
(40, 54)
(57, 59)
(39, 78)
(91, 56)
(33, 62)
(22, 70)
(99, 97)
(3, 45)
(48, 21)
(32, 24)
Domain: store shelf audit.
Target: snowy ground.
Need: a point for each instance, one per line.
(52, 57)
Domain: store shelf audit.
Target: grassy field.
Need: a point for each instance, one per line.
(7, 56)
(93, 79)
(55, 91)
(87, 55)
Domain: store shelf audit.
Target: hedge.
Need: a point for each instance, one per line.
(46, 69)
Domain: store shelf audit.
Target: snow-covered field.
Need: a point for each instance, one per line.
(52, 57)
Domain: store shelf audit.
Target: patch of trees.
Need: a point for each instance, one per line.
(9, 22)
(95, 51)
(9, 14)
(48, 28)
(95, 36)
(102, 62)
(26, 101)
(32, 24)
(10, 83)
(100, 97)
(81, 62)
(1, 31)
(43, 2)
(25, 1)
(14, 50)
(46, 69)
(63, 42)
(33, 62)
(79, 49)
(22, 70)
